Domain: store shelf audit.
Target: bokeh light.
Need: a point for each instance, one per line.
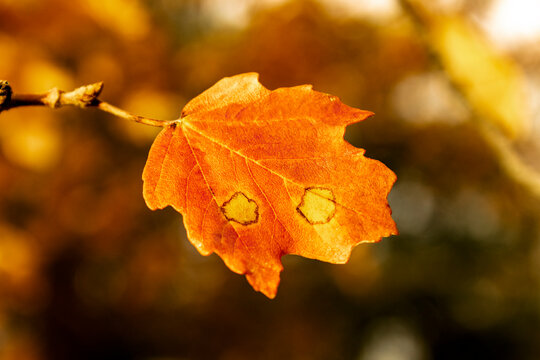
(88, 272)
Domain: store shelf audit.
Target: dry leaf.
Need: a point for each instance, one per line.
(258, 174)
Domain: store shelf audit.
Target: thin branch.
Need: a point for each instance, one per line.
(111, 109)
(84, 96)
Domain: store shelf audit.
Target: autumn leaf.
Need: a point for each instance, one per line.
(258, 174)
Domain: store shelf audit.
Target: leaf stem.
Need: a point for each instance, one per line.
(84, 96)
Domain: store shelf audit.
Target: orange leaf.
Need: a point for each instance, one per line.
(258, 174)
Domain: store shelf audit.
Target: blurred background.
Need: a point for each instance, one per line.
(88, 272)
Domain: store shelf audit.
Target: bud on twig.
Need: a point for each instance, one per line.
(84, 96)
(5, 93)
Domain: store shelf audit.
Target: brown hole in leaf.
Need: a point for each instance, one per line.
(318, 205)
(241, 209)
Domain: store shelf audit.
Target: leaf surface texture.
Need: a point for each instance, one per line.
(258, 174)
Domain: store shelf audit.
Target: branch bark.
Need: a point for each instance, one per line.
(84, 96)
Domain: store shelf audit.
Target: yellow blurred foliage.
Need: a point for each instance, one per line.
(40, 75)
(149, 103)
(493, 84)
(20, 3)
(102, 66)
(80, 251)
(126, 18)
(30, 138)
(9, 52)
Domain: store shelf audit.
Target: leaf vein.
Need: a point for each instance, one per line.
(194, 129)
(266, 197)
(202, 172)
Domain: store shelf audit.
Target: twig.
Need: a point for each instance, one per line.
(84, 96)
